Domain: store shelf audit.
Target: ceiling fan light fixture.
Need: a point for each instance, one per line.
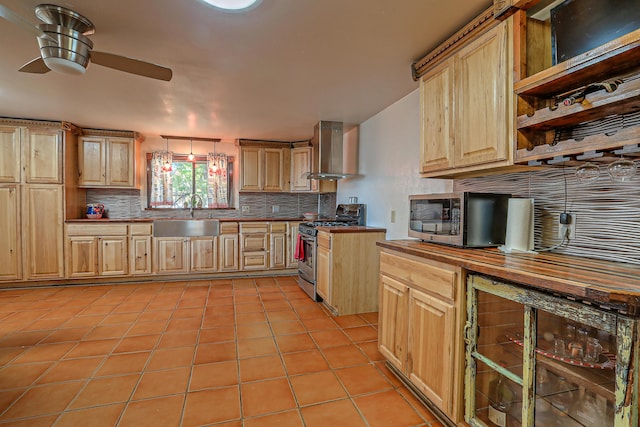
(63, 65)
(232, 5)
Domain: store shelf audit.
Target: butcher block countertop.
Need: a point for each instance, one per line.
(108, 220)
(608, 284)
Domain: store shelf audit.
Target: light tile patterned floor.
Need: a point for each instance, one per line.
(241, 352)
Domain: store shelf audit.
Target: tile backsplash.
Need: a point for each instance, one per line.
(124, 204)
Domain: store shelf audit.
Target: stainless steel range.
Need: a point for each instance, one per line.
(346, 215)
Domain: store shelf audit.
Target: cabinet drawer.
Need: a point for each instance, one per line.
(254, 242)
(140, 229)
(278, 227)
(254, 227)
(324, 240)
(430, 276)
(228, 228)
(96, 229)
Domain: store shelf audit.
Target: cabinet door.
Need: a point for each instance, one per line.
(393, 315)
(171, 255)
(92, 161)
(120, 162)
(253, 251)
(292, 242)
(10, 256)
(323, 279)
(277, 250)
(431, 353)
(250, 169)
(43, 214)
(436, 101)
(273, 169)
(10, 162)
(204, 253)
(82, 256)
(300, 168)
(229, 251)
(483, 106)
(112, 256)
(43, 156)
(140, 251)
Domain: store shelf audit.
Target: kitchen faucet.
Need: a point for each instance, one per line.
(192, 200)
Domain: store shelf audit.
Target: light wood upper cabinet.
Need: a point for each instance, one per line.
(10, 248)
(301, 158)
(10, 162)
(436, 97)
(467, 111)
(43, 156)
(43, 216)
(484, 98)
(263, 169)
(106, 162)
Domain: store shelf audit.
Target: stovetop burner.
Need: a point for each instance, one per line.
(327, 224)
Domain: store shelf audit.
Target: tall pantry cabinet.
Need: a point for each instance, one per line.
(31, 200)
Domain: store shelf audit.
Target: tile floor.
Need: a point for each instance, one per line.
(232, 352)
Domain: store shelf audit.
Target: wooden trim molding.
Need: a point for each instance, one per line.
(480, 24)
(113, 133)
(10, 121)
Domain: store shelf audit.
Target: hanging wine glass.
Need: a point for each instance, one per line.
(588, 173)
(622, 170)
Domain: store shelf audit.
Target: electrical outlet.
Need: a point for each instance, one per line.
(245, 209)
(393, 216)
(571, 227)
(275, 208)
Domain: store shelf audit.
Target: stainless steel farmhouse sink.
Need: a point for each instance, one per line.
(186, 227)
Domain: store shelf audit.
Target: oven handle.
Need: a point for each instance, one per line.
(308, 238)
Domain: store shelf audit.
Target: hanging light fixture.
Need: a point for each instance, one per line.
(191, 157)
(214, 169)
(167, 159)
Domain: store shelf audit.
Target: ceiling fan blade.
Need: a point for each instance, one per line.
(36, 66)
(11, 16)
(133, 66)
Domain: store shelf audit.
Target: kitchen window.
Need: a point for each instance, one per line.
(203, 183)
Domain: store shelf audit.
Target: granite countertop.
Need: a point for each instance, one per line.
(607, 283)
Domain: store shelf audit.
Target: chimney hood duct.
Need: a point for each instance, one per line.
(328, 150)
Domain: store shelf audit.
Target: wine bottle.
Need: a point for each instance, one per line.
(501, 395)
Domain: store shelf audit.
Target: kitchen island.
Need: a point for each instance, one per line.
(436, 300)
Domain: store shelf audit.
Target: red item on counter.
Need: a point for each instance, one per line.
(299, 252)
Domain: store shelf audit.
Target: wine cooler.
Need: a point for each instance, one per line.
(537, 359)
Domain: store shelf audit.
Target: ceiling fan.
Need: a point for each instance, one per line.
(65, 47)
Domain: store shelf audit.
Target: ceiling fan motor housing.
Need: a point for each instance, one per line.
(70, 54)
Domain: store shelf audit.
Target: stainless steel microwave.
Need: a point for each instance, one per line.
(462, 219)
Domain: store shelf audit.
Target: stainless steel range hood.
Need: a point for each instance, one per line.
(328, 150)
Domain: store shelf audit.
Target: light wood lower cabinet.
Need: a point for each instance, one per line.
(43, 231)
(229, 246)
(10, 247)
(420, 327)
(171, 255)
(254, 246)
(292, 241)
(204, 254)
(277, 245)
(347, 266)
(140, 255)
(97, 250)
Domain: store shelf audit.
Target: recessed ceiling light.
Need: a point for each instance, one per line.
(232, 4)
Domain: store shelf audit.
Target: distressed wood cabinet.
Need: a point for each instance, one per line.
(420, 327)
(540, 344)
(254, 246)
(97, 250)
(140, 249)
(229, 247)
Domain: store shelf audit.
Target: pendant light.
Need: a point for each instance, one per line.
(215, 159)
(191, 157)
(167, 157)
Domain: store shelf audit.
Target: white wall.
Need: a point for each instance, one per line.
(388, 160)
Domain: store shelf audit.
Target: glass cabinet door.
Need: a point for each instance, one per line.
(534, 359)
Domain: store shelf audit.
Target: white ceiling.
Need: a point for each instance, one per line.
(270, 72)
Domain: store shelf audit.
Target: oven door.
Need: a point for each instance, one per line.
(307, 265)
